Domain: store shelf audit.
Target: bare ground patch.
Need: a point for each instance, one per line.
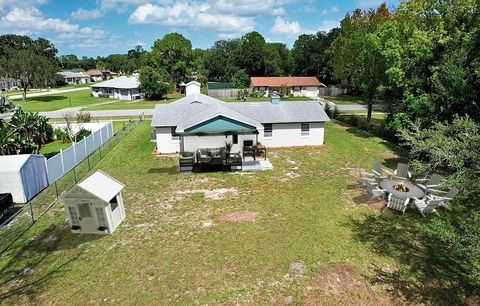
(240, 217)
(342, 285)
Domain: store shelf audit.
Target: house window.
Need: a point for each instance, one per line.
(235, 139)
(305, 129)
(296, 89)
(175, 137)
(113, 203)
(267, 130)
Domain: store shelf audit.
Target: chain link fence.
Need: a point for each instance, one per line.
(23, 217)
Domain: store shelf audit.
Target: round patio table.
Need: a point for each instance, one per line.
(413, 190)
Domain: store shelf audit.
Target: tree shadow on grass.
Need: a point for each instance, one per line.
(30, 266)
(426, 273)
(51, 98)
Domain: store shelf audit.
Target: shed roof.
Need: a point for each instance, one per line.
(102, 186)
(13, 163)
(219, 85)
(286, 81)
(123, 82)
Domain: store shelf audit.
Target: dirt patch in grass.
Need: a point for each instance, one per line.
(342, 285)
(240, 217)
(214, 194)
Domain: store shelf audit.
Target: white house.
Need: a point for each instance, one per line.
(121, 88)
(71, 77)
(198, 121)
(308, 86)
(95, 205)
(24, 176)
(192, 87)
(9, 84)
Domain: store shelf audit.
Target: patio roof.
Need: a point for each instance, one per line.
(220, 126)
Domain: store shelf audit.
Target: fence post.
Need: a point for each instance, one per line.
(56, 189)
(74, 153)
(85, 145)
(101, 137)
(63, 166)
(31, 212)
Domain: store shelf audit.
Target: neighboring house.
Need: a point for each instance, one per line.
(71, 77)
(199, 121)
(121, 88)
(9, 84)
(98, 75)
(308, 86)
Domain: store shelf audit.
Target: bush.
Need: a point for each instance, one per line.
(103, 95)
(82, 134)
(257, 94)
(84, 117)
(62, 135)
(50, 154)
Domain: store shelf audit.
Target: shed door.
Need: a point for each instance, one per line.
(87, 220)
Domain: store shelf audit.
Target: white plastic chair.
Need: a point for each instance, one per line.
(446, 197)
(402, 172)
(427, 206)
(431, 183)
(397, 203)
(373, 190)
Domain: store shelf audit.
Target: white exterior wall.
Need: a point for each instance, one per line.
(303, 92)
(192, 143)
(11, 182)
(165, 143)
(290, 135)
(119, 94)
(191, 89)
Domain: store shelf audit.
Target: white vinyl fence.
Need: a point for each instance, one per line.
(63, 162)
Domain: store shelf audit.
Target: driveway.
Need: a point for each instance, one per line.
(47, 93)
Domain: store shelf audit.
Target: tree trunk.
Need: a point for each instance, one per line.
(370, 109)
(24, 93)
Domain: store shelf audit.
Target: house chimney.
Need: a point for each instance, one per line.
(275, 98)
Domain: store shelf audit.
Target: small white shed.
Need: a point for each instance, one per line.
(24, 176)
(95, 205)
(192, 87)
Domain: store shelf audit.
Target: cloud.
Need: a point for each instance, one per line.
(83, 33)
(330, 10)
(283, 27)
(366, 4)
(248, 7)
(190, 15)
(82, 14)
(327, 25)
(31, 20)
(6, 4)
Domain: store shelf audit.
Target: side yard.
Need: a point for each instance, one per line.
(234, 238)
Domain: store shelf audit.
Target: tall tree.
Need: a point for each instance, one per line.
(220, 60)
(250, 54)
(174, 54)
(26, 59)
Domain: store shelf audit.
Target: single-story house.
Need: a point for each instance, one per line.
(198, 121)
(71, 77)
(121, 88)
(307, 86)
(99, 75)
(9, 84)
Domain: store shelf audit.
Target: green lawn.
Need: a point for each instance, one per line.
(267, 99)
(128, 105)
(346, 100)
(317, 239)
(60, 101)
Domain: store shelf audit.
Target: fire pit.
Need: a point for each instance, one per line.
(401, 187)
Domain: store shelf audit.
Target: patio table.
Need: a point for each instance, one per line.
(413, 190)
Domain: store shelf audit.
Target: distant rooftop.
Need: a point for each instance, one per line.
(71, 74)
(123, 82)
(306, 81)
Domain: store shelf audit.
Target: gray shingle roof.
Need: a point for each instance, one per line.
(123, 82)
(71, 74)
(197, 108)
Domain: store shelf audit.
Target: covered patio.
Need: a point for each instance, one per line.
(226, 141)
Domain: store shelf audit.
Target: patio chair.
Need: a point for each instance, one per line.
(427, 206)
(234, 160)
(376, 175)
(397, 203)
(446, 197)
(430, 183)
(373, 190)
(203, 156)
(402, 172)
(187, 160)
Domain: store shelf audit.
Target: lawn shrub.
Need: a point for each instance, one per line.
(103, 95)
(84, 117)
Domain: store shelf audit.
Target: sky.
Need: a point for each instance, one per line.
(102, 27)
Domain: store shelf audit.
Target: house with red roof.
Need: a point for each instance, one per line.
(307, 86)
